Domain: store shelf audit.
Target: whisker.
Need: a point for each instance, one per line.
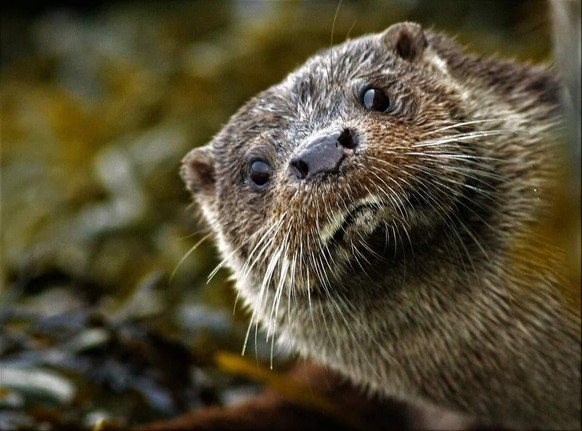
(462, 124)
(468, 136)
(452, 156)
(188, 253)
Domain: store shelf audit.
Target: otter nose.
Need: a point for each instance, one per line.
(323, 154)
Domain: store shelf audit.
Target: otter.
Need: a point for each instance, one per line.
(380, 209)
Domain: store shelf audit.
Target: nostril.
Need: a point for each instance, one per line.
(300, 168)
(347, 139)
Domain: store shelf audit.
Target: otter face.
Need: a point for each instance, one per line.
(358, 157)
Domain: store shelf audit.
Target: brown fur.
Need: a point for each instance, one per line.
(434, 295)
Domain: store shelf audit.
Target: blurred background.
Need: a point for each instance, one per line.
(106, 310)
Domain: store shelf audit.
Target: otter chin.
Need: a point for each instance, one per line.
(370, 206)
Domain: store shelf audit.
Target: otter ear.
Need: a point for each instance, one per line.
(197, 170)
(406, 40)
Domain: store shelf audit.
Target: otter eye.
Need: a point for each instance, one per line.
(375, 99)
(260, 172)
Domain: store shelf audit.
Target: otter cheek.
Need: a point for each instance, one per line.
(198, 171)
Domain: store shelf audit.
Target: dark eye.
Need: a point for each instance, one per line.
(375, 99)
(260, 172)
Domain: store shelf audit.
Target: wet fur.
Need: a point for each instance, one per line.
(425, 298)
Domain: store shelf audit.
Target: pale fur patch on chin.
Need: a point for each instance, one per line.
(337, 220)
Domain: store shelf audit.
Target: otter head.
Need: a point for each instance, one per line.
(327, 184)
(369, 205)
